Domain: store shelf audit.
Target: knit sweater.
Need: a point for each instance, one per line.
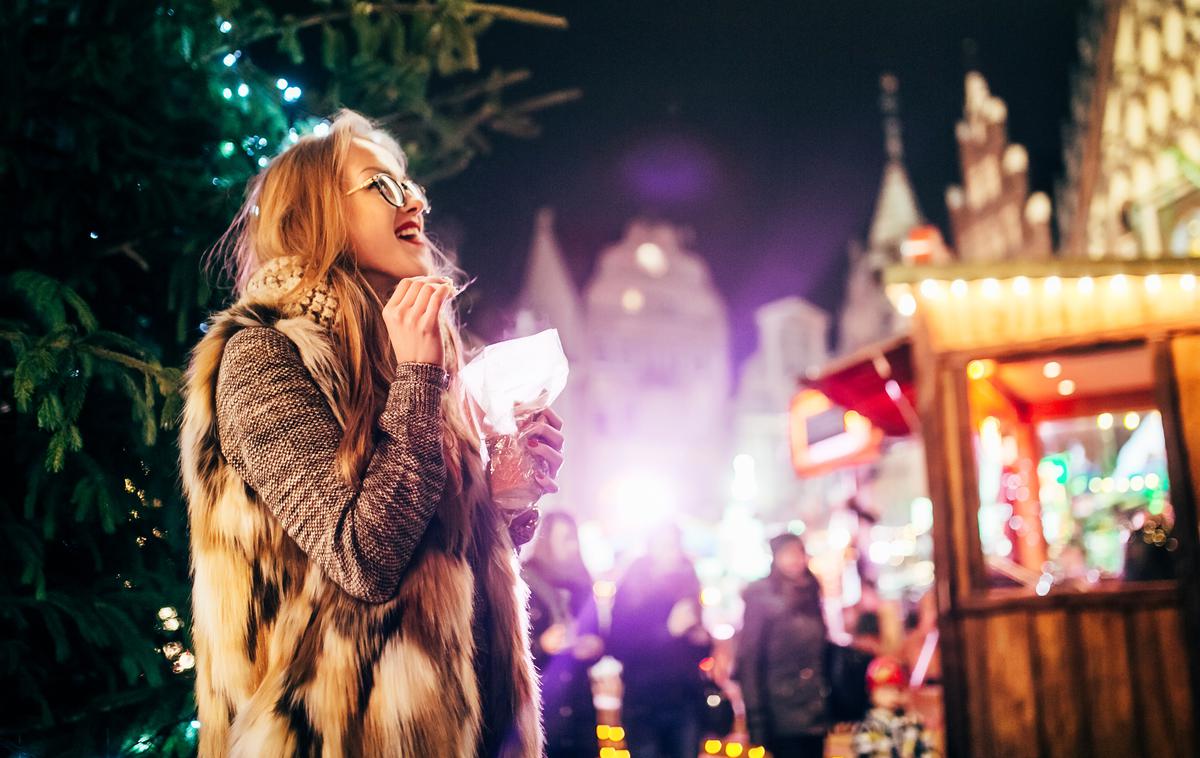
(279, 433)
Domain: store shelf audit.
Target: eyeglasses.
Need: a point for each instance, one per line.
(396, 193)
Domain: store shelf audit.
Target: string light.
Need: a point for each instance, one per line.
(1085, 285)
(227, 148)
(1066, 387)
(243, 89)
(958, 287)
(1021, 285)
(1052, 370)
(263, 161)
(281, 83)
(1104, 421)
(1188, 282)
(227, 93)
(291, 94)
(229, 59)
(1132, 420)
(225, 27)
(1053, 285)
(1153, 283)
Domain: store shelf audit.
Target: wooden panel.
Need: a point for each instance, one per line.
(1162, 682)
(974, 650)
(1060, 711)
(1011, 696)
(1108, 684)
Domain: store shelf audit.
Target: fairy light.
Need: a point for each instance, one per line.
(1066, 387)
(225, 27)
(1119, 283)
(229, 60)
(263, 161)
(1053, 285)
(291, 94)
(959, 287)
(1021, 286)
(321, 129)
(227, 148)
(243, 89)
(281, 84)
(1188, 282)
(907, 305)
(1052, 370)
(1132, 420)
(1104, 421)
(991, 288)
(1085, 285)
(227, 93)
(1153, 284)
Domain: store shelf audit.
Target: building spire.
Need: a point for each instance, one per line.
(889, 102)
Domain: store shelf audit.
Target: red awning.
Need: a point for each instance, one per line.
(876, 382)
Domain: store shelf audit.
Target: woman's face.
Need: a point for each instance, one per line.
(388, 242)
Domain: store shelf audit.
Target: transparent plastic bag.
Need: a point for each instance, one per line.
(511, 382)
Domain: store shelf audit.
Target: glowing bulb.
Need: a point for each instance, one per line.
(733, 750)
(907, 305)
(166, 613)
(712, 747)
(281, 83)
(1052, 370)
(291, 94)
(1066, 387)
(225, 27)
(1104, 421)
(930, 289)
(227, 93)
(263, 161)
(243, 89)
(959, 288)
(980, 369)
(227, 148)
(229, 59)
(1132, 420)
(1085, 285)
(602, 731)
(1053, 285)
(1153, 284)
(1119, 283)
(632, 300)
(321, 129)
(93, 235)
(991, 288)
(1187, 282)
(1021, 285)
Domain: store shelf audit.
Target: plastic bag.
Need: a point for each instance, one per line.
(511, 382)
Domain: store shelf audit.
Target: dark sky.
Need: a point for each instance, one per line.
(754, 123)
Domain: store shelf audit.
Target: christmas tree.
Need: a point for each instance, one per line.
(129, 131)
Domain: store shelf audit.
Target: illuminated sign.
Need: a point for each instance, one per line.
(825, 437)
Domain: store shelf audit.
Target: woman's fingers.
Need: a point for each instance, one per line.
(548, 485)
(552, 418)
(544, 433)
(421, 302)
(551, 457)
(398, 293)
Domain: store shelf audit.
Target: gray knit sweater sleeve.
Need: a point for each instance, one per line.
(278, 432)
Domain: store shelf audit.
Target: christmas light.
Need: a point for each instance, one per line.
(225, 27)
(1104, 421)
(243, 89)
(281, 84)
(1153, 283)
(1053, 285)
(263, 161)
(291, 94)
(958, 287)
(756, 752)
(93, 235)
(1066, 387)
(321, 129)
(1052, 370)
(733, 750)
(1021, 286)
(227, 93)
(1085, 285)
(712, 747)
(1132, 420)
(227, 148)
(602, 731)
(1187, 282)
(166, 613)
(907, 305)
(229, 59)
(991, 288)
(617, 733)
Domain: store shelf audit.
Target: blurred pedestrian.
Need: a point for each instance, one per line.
(658, 637)
(781, 656)
(564, 636)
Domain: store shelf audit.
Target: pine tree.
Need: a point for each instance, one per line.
(129, 130)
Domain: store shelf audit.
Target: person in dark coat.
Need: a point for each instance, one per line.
(564, 636)
(658, 637)
(780, 660)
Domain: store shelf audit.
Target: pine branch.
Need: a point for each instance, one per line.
(507, 13)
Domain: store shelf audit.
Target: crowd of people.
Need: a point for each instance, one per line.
(794, 683)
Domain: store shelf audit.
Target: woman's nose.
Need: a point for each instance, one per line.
(415, 203)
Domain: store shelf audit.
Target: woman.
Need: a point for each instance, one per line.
(781, 653)
(562, 614)
(658, 637)
(355, 589)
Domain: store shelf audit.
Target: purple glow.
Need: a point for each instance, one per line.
(669, 170)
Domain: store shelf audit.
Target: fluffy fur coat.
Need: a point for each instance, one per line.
(289, 664)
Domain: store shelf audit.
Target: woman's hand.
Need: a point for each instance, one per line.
(411, 316)
(543, 437)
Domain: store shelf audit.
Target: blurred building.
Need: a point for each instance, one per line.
(648, 399)
(1133, 147)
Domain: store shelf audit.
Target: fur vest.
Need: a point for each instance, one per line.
(288, 663)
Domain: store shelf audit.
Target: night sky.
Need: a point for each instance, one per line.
(756, 124)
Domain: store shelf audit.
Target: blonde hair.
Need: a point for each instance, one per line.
(295, 207)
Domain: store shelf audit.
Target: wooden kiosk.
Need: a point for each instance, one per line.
(1059, 404)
